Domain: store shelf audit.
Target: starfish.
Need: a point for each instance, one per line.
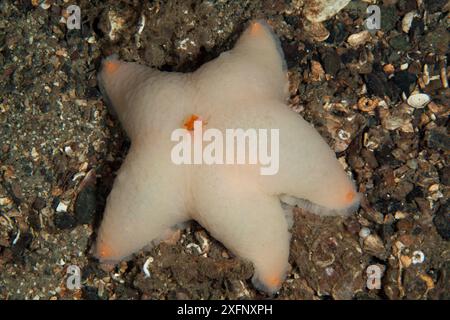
(246, 87)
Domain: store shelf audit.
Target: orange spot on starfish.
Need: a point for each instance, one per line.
(189, 123)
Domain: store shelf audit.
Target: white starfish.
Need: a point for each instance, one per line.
(243, 88)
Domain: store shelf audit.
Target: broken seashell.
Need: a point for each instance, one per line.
(418, 100)
(321, 10)
(316, 31)
(407, 20)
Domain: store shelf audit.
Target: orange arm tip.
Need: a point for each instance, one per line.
(104, 251)
(255, 28)
(350, 196)
(111, 66)
(274, 281)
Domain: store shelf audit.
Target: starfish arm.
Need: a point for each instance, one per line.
(146, 101)
(254, 69)
(136, 214)
(308, 167)
(247, 221)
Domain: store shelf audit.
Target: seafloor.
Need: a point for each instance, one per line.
(60, 148)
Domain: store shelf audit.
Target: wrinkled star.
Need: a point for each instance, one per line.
(245, 87)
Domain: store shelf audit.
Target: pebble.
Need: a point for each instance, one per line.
(317, 72)
(364, 232)
(434, 5)
(360, 38)
(38, 204)
(316, 31)
(400, 43)
(116, 24)
(438, 140)
(321, 10)
(373, 245)
(367, 105)
(405, 81)
(407, 20)
(405, 261)
(85, 205)
(4, 201)
(442, 221)
(331, 61)
(64, 221)
(428, 281)
(377, 84)
(389, 68)
(389, 18)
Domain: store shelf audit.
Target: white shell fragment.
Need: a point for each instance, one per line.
(418, 257)
(321, 10)
(116, 24)
(145, 267)
(407, 20)
(62, 207)
(364, 232)
(418, 100)
(359, 38)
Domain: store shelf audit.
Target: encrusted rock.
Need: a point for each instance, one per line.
(321, 10)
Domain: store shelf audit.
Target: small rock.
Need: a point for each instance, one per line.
(367, 105)
(438, 140)
(364, 232)
(428, 281)
(434, 5)
(64, 221)
(38, 204)
(4, 201)
(377, 84)
(405, 261)
(338, 32)
(317, 72)
(394, 122)
(24, 242)
(85, 205)
(321, 10)
(407, 20)
(331, 62)
(389, 68)
(370, 213)
(360, 38)
(405, 225)
(116, 24)
(405, 81)
(441, 221)
(389, 18)
(374, 246)
(316, 31)
(436, 41)
(400, 43)
(89, 293)
(16, 192)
